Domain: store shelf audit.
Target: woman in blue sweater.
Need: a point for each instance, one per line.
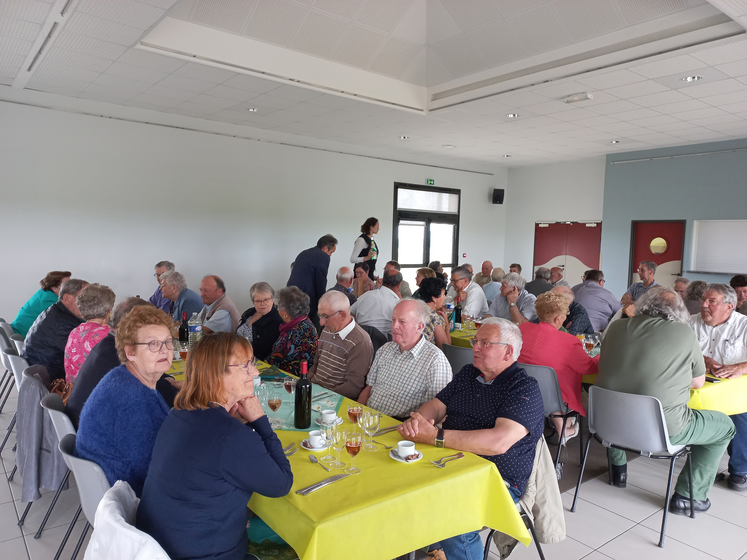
(213, 451)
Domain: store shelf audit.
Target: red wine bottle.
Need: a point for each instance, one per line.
(184, 329)
(302, 416)
(458, 312)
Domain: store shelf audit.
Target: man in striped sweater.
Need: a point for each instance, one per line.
(344, 351)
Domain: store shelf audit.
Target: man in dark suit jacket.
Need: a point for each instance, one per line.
(541, 282)
(309, 272)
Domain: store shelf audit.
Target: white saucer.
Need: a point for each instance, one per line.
(393, 454)
(338, 420)
(323, 405)
(307, 447)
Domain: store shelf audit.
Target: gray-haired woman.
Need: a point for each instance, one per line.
(297, 340)
(95, 304)
(261, 324)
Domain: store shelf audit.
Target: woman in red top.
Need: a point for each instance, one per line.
(545, 345)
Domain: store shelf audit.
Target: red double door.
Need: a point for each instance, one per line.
(574, 247)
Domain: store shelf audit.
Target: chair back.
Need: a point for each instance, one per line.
(549, 387)
(18, 340)
(54, 406)
(39, 373)
(5, 341)
(632, 421)
(90, 477)
(17, 365)
(7, 328)
(458, 357)
(378, 339)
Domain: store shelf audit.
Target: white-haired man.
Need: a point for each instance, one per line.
(483, 278)
(344, 350)
(514, 302)
(174, 287)
(472, 298)
(491, 408)
(722, 335)
(158, 299)
(655, 353)
(556, 278)
(409, 371)
(344, 284)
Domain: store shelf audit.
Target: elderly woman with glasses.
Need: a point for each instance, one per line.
(433, 293)
(546, 345)
(121, 418)
(221, 440)
(95, 303)
(260, 324)
(297, 340)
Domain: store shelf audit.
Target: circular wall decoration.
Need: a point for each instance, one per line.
(658, 245)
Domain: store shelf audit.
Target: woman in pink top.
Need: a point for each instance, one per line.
(95, 304)
(545, 345)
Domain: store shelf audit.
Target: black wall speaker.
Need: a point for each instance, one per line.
(498, 196)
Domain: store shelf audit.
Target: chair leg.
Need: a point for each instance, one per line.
(67, 534)
(581, 474)
(7, 387)
(666, 502)
(80, 541)
(51, 506)
(581, 438)
(25, 512)
(487, 544)
(560, 447)
(7, 434)
(690, 465)
(530, 525)
(12, 473)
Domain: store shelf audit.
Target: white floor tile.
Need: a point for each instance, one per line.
(728, 505)
(596, 555)
(62, 514)
(5, 493)
(705, 533)
(632, 502)
(46, 547)
(8, 522)
(567, 549)
(14, 549)
(592, 525)
(641, 543)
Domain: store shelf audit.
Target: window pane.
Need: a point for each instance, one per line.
(426, 200)
(442, 243)
(411, 239)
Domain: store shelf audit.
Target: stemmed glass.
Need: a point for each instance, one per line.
(339, 437)
(353, 446)
(329, 436)
(290, 387)
(589, 343)
(354, 412)
(370, 421)
(274, 400)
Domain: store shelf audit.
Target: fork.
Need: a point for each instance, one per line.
(443, 460)
(291, 452)
(384, 444)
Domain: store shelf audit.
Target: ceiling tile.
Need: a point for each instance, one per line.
(394, 57)
(713, 88)
(275, 21)
(151, 61)
(654, 121)
(636, 114)
(459, 56)
(318, 34)
(497, 43)
(296, 93)
(382, 14)
(733, 52)
(89, 45)
(699, 114)
(155, 100)
(11, 60)
(211, 101)
(196, 108)
(636, 89)
(668, 66)
(251, 83)
(587, 18)
(135, 73)
(9, 73)
(734, 97)
(233, 94)
(126, 84)
(170, 93)
(334, 101)
(614, 107)
(472, 14)
(637, 11)
(229, 15)
(734, 69)
(163, 4)
(663, 98)
(274, 102)
(342, 8)
(15, 46)
(358, 46)
(187, 84)
(105, 93)
(72, 58)
(18, 29)
(309, 110)
(512, 7)
(103, 29)
(718, 120)
(539, 30)
(611, 79)
(681, 106)
(204, 72)
(26, 10)
(126, 12)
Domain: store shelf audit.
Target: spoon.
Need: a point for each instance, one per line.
(316, 462)
(384, 444)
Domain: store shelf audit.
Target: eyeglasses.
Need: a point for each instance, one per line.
(484, 343)
(262, 301)
(326, 317)
(156, 345)
(246, 366)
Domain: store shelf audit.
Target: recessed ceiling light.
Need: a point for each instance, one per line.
(252, 109)
(448, 146)
(403, 137)
(576, 97)
(512, 115)
(689, 79)
(507, 155)
(615, 142)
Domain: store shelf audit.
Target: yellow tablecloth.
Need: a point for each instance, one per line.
(390, 508)
(461, 337)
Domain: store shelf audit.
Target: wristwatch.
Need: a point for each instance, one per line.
(439, 438)
(512, 304)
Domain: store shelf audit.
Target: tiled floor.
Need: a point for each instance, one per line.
(608, 523)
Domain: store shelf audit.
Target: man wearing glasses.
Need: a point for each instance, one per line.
(599, 302)
(491, 408)
(472, 297)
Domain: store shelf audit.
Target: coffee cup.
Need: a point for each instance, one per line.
(328, 416)
(316, 439)
(405, 449)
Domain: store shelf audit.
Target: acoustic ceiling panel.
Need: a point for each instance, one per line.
(394, 57)
(459, 56)
(512, 7)
(319, 34)
(229, 15)
(118, 82)
(19, 29)
(539, 30)
(89, 45)
(186, 84)
(79, 60)
(588, 18)
(275, 21)
(127, 12)
(734, 69)
(15, 46)
(163, 4)
(713, 88)
(135, 73)
(732, 52)
(106, 93)
(637, 11)
(155, 100)
(26, 10)
(342, 8)
(204, 73)
(103, 29)
(497, 43)
(11, 60)
(669, 66)
(231, 94)
(359, 46)
(473, 14)
(382, 14)
(170, 92)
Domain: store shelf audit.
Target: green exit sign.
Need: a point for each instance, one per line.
(430, 182)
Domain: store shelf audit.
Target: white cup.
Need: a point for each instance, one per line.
(316, 439)
(328, 416)
(405, 449)
(257, 381)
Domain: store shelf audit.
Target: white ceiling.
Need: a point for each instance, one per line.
(468, 62)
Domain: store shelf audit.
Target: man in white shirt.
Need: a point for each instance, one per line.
(472, 297)
(374, 308)
(722, 335)
(514, 302)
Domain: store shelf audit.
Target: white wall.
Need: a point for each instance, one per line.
(560, 192)
(107, 199)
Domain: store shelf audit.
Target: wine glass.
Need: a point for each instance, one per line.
(589, 343)
(354, 412)
(353, 446)
(290, 387)
(369, 421)
(328, 433)
(339, 437)
(274, 400)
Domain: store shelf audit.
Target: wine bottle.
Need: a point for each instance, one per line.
(458, 314)
(302, 416)
(184, 329)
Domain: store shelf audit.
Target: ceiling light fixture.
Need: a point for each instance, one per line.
(512, 115)
(252, 109)
(615, 142)
(507, 155)
(403, 137)
(448, 146)
(690, 79)
(576, 97)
